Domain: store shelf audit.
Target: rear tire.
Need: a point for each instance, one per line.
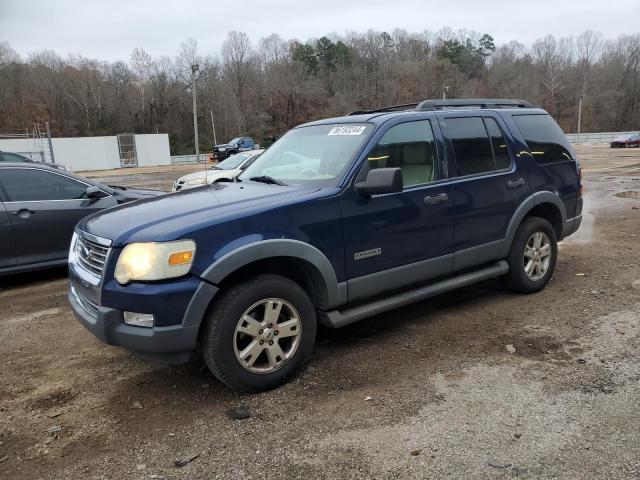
(259, 333)
(533, 255)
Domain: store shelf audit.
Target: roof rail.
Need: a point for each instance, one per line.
(428, 105)
(392, 108)
(472, 102)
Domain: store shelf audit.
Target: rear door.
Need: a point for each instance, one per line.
(44, 207)
(488, 186)
(7, 240)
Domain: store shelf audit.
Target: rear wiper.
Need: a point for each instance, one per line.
(267, 179)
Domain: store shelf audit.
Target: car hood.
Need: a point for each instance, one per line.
(211, 175)
(177, 215)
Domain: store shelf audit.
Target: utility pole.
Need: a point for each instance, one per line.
(213, 126)
(580, 110)
(194, 69)
(444, 91)
(53, 160)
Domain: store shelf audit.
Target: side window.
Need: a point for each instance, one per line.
(30, 184)
(544, 137)
(411, 147)
(471, 145)
(500, 150)
(12, 157)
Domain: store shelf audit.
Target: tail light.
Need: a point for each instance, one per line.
(579, 181)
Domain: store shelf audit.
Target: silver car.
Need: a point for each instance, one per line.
(226, 170)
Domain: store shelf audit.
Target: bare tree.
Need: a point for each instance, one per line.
(284, 82)
(238, 60)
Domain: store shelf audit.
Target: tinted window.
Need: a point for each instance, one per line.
(544, 137)
(470, 145)
(409, 146)
(498, 143)
(21, 185)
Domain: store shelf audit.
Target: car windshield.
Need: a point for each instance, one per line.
(235, 140)
(314, 155)
(622, 138)
(234, 161)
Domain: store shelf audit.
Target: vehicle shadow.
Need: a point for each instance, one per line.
(32, 278)
(165, 389)
(193, 379)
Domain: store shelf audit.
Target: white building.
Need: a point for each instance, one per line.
(95, 153)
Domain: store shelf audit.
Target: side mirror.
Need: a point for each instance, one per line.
(381, 180)
(95, 192)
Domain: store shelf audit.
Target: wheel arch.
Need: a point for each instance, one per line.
(545, 204)
(293, 259)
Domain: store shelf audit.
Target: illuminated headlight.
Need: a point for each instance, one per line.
(194, 182)
(222, 149)
(154, 261)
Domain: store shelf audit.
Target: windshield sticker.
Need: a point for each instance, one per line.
(348, 130)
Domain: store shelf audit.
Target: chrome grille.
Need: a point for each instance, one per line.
(91, 256)
(90, 307)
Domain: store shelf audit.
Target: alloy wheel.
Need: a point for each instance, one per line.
(267, 335)
(537, 256)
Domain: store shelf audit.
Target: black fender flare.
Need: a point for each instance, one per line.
(336, 293)
(527, 205)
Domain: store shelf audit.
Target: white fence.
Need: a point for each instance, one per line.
(93, 153)
(601, 137)
(187, 159)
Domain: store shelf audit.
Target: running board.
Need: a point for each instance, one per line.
(337, 319)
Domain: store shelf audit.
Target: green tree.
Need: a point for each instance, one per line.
(306, 55)
(326, 54)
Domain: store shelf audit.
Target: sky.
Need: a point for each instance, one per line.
(111, 29)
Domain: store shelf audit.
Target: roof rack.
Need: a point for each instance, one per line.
(430, 105)
(472, 102)
(392, 108)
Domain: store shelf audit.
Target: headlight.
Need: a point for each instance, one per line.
(222, 149)
(195, 181)
(154, 261)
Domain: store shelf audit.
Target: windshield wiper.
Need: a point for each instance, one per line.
(267, 179)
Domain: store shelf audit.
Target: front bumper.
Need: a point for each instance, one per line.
(178, 306)
(172, 344)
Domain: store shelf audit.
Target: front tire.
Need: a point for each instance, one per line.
(259, 333)
(533, 255)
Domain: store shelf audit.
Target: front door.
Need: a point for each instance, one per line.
(397, 239)
(44, 208)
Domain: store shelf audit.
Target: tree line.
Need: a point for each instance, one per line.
(264, 89)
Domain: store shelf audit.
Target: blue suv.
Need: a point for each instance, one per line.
(339, 220)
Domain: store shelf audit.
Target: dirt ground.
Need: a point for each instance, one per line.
(427, 391)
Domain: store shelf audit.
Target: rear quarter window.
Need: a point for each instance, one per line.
(547, 143)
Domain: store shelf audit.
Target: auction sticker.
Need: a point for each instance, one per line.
(348, 130)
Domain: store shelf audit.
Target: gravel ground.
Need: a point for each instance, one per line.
(427, 391)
